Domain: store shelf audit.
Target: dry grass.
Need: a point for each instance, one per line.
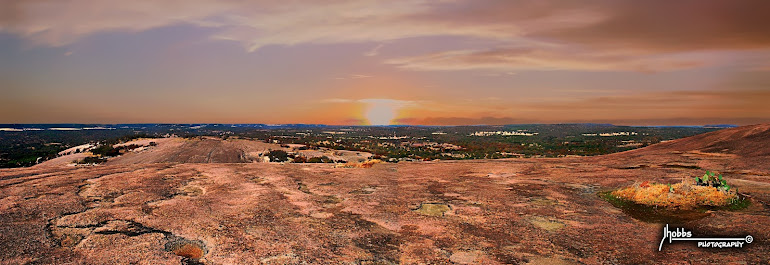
(433, 209)
(365, 164)
(680, 195)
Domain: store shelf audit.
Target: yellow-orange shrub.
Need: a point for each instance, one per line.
(680, 195)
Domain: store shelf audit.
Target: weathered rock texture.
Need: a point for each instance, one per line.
(539, 211)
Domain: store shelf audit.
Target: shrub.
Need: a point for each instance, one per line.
(322, 159)
(709, 191)
(365, 164)
(278, 156)
(92, 160)
(300, 159)
(105, 150)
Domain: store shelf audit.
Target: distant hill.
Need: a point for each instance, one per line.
(720, 126)
(199, 150)
(747, 141)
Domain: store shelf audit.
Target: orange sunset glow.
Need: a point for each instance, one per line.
(385, 62)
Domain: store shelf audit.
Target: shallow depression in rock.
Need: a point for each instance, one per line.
(191, 250)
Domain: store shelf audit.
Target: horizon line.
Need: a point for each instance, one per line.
(388, 125)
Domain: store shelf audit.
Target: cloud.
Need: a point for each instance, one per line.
(374, 51)
(370, 101)
(761, 68)
(255, 24)
(653, 108)
(382, 101)
(462, 121)
(528, 34)
(698, 103)
(57, 23)
(10, 11)
(337, 100)
(389, 102)
(351, 121)
(655, 105)
(562, 58)
(354, 76)
(669, 26)
(686, 121)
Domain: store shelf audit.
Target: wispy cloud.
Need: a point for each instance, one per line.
(686, 107)
(374, 51)
(354, 76)
(680, 25)
(391, 102)
(254, 24)
(337, 100)
(637, 122)
(572, 60)
(507, 60)
(596, 36)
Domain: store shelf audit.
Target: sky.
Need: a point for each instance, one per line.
(437, 62)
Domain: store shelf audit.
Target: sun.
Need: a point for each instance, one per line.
(380, 114)
(381, 111)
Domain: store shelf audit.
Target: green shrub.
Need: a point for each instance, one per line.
(278, 156)
(323, 159)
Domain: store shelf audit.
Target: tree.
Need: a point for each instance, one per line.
(323, 159)
(278, 156)
(105, 150)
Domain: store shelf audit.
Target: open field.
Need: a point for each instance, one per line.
(512, 211)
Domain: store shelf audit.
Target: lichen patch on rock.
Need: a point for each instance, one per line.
(433, 209)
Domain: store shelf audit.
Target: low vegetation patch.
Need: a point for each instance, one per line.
(546, 223)
(709, 190)
(432, 209)
(698, 194)
(322, 159)
(102, 152)
(278, 156)
(365, 164)
(91, 160)
(677, 203)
